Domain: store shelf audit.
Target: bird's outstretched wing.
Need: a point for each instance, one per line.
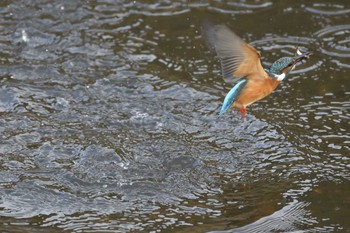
(238, 59)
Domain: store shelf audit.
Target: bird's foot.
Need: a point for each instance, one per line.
(243, 111)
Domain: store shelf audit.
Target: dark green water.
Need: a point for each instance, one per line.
(109, 119)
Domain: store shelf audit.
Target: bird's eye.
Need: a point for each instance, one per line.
(290, 64)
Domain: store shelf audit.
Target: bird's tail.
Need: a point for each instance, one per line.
(233, 95)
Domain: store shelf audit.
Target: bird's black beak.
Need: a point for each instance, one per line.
(299, 56)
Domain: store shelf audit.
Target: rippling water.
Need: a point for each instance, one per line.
(109, 119)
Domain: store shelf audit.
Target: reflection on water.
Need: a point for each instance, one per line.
(109, 119)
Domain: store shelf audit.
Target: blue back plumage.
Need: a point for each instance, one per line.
(232, 96)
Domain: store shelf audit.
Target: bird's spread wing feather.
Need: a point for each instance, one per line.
(238, 59)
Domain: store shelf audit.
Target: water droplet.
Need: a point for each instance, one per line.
(25, 36)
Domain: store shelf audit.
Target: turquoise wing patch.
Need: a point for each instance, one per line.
(232, 96)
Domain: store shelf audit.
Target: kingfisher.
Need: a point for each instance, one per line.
(241, 61)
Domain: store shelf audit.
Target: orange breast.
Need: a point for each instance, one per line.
(256, 89)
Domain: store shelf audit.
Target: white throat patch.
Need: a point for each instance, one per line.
(280, 77)
(283, 75)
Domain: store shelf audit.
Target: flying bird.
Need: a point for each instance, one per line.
(241, 61)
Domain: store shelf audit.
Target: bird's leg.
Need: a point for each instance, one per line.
(243, 111)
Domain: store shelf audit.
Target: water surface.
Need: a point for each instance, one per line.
(109, 119)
